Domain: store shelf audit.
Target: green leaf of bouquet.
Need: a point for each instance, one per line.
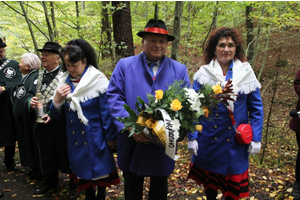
(129, 110)
(192, 127)
(151, 98)
(149, 110)
(139, 102)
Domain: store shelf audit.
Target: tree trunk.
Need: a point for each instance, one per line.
(105, 45)
(122, 29)
(30, 28)
(257, 38)
(47, 21)
(156, 11)
(212, 26)
(77, 19)
(188, 29)
(176, 29)
(250, 35)
(266, 47)
(53, 21)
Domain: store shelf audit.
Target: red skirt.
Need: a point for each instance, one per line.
(82, 184)
(235, 186)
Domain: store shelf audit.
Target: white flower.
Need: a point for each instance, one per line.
(191, 94)
(195, 105)
(176, 124)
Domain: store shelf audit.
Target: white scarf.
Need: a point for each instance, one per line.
(91, 84)
(243, 78)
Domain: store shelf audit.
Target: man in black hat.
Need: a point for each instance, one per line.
(9, 75)
(136, 76)
(50, 137)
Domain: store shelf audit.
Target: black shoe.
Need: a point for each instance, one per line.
(1, 195)
(11, 168)
(73, 195)
(296, 190)
(46, 187)
(35, 174)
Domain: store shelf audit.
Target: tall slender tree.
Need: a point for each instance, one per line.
(44, 4)
(122, 29)
(106, 39)
(249, 30)
(30, 28)
(176, 29)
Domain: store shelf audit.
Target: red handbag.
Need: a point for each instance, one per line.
(243, 132)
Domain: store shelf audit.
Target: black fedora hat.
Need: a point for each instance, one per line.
(2, 44)
(156, 26)
(51, 46)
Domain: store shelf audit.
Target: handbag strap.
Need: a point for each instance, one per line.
(232, 120)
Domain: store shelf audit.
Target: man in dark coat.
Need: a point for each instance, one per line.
(295, 126)
(9, 75)
(51, 137)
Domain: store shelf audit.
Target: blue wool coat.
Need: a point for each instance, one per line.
(89, 154)
(129, 80)
(219, 150)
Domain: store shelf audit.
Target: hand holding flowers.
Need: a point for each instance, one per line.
(175, 111)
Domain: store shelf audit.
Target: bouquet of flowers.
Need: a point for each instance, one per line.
(170, 115)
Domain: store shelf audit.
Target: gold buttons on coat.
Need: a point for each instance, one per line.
(71, 121)
(76, 143)
(217, 114)
(215, 138)
(228, 140)
(69, 109)
(73, 132)
(229, 127)
(84, 143)
(80, 121)
(215, 126)
(82, 132)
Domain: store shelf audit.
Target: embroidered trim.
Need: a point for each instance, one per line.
(49, 90)
(3, 64)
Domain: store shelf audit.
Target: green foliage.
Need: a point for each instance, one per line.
(13, 26)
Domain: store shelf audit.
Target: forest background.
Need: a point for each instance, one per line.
(271, 41)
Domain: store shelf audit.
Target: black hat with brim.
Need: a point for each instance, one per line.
(2, 44)
(156, 26)
(51, 46)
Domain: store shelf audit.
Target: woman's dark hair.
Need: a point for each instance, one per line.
(78, 49)
(214, 38)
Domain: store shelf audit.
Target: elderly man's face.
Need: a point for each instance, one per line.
(2, 52)
(49, 60)
(155, 46)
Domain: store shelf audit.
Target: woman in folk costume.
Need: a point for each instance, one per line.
(219, 161)
(81, 98)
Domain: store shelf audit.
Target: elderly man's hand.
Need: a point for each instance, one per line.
(2, 89)
(141, 137)
(33, 102)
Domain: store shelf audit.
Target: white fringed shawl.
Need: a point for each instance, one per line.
(91, 84)
(243, 78)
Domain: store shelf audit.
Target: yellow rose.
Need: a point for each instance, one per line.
(176, 105)
(217, 89)
(206, 111)
(198, 128)
(159, 94)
